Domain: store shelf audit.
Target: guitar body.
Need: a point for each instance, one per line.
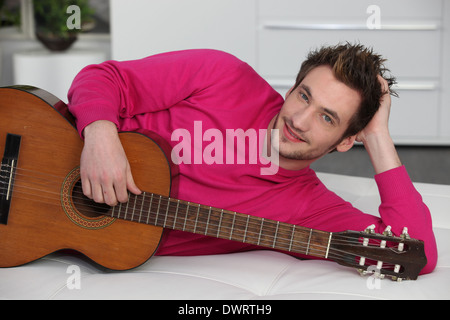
(42, 216)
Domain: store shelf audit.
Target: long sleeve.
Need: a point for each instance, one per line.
(117, 90)
(401, 206)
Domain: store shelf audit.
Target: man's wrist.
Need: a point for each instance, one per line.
(382, 152)
(99, 125)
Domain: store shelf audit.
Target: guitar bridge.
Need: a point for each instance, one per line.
(8, 168)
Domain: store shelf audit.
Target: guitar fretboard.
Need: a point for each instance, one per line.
(166, 212)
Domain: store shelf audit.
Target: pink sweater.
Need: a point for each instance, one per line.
(200, 93)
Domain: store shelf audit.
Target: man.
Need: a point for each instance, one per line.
(340, 96)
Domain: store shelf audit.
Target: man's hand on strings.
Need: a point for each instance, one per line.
(105, 171)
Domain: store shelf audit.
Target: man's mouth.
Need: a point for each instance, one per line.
(291, 135)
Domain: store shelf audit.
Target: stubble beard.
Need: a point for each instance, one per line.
(282, 145)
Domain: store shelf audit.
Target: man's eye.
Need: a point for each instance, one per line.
(304, 97)
(327, 119)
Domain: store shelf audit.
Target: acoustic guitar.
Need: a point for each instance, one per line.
(43, 209)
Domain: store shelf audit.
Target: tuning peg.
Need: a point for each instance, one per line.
(387, 231)
(398, 279)
(401, 247)
(362, 272)
(405, 234)
(370, 229)
(373, 270)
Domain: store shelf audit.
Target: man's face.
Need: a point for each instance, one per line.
(314, 117)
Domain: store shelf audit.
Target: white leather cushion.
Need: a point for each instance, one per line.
(249, 275)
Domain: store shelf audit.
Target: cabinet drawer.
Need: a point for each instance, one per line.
(349, 9)
(415, 116)
(410, 54)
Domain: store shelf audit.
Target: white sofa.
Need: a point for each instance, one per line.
(252, 275)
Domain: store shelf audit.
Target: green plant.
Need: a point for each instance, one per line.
(51, 17)
(9, 16)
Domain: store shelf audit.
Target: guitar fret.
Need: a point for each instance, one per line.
(120, 209)
(112, 212)
(309, 241)
(246, 227)
(328, 246)
(260, 230)
(176, 214)
(142, 206)
(292, 237)
(134, 208)
(196, 218)
(232, 225)
(276, 234)
(150, 207)
(126, 209)
(157, 211)
(186, 216)
(167, 211)
(220, 224)
(207, 222)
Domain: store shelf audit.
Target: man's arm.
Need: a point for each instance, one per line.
(376, 137)
(108, 97)
(401, 204)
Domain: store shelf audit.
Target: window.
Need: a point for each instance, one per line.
(17, 21)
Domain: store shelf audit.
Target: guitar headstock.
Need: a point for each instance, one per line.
(400, 258)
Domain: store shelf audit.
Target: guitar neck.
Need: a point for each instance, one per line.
(195, 218)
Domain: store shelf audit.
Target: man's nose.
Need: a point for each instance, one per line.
(302, 119)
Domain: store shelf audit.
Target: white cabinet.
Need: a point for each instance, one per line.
(411, 37)
(274, 37)
(53, 71)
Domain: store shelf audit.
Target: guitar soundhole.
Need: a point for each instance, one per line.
(86, 206)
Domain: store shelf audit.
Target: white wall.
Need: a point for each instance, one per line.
(142, 27)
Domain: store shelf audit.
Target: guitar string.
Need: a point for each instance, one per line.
(93, 205)
(334, 254)
(278, 240)
(80, 195)
(58, 179)
(299, 246)
(98, 207)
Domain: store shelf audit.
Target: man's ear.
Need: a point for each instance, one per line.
(346, 144)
